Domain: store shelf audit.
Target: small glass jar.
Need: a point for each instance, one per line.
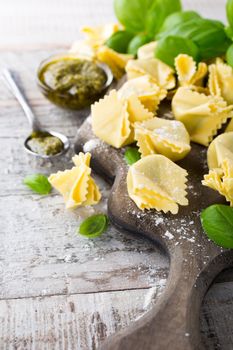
(83, 92)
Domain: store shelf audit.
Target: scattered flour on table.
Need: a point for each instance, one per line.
(91, 144)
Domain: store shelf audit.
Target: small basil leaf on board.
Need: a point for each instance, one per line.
(169, 48)
(217, 222)
(229, 56)
(132, 155)
(159, 11)
(38, 183)
(94, 226)
(229, 9)
(119, 41)
(138, 41)
(229, 32)
(175, 19)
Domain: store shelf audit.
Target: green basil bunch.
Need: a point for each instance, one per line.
(142, 20)
(229, 31)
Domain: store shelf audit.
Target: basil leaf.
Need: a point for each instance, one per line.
(208, 35)
(217, 221)
(229, 32)
(94, 226)
(138, 41)
(175, 19)
(132, 155)
(158, 12)
(229, 56)
(132, 13)
(38, 183)
(169, 48)
(229, 9)
(119, 41)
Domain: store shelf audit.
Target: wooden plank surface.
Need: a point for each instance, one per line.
(58, 290)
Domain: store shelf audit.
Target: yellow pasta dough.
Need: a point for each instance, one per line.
(155, 182)
(202, 115)
(220, 162)
(190, 74)
(147, 51)
(166, 137)
(149, 93)
(161, 73)
(113, 118)
(76, 185)
(221, 80)
(116, 61)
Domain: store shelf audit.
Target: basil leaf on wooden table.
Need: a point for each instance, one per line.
(94, 226)
(217, 221)
(38, 183)
(169, 48)
(132, 155)
(229, 56)
(119, 41)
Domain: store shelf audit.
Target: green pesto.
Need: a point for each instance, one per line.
(45, 144)
(72, 82)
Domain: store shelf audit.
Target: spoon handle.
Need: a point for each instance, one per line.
(11, 84)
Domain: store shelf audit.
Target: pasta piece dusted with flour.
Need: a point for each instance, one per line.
(166, 137)
(221, 80)
(220, 162)
(76, 185)
(149, 93)
(202, 115)
(161, 73)
(155, 182)
(113, 118)
(188, 72)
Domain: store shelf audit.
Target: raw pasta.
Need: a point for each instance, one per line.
(190, 74)
(147, 51)
(113, 118)
(220, 162)
(76, 185)
(167, 137)
(202, 115)
(155, 182)
(149, 93)
(161, 73)
(221, 80)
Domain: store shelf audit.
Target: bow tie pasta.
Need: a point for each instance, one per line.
(190, 74)
(149, 93)
(155, 182)
(94, 48)
(147, 51)
(113, 118)
(161, 73)
(166, 137)
(220, 162)
(76, 185)
(221, 80)
(202, 115)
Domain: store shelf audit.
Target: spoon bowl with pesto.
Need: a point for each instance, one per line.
(41, 143)
(71, 82)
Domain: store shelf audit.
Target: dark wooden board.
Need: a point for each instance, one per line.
(195, 261)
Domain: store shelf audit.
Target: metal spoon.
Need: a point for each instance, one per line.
(34, 123)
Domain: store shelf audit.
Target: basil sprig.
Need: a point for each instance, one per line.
(132, 155)
(94, 226)
(38, 183)
(217, 222)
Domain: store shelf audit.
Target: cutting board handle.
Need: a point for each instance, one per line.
(173, 323)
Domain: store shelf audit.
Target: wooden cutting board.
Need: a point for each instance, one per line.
(173, 323)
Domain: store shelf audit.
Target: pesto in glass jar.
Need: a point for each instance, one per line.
(72, 82)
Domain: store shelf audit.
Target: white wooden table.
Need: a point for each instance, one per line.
(59, 290)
